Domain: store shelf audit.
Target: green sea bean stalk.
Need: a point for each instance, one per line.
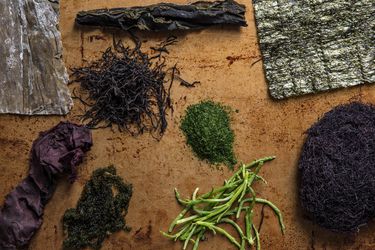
(223, 205)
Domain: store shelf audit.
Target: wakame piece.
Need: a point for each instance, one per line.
(312, 46)
(337, 168)
(167, 16)
(55, 152)
(33, 78)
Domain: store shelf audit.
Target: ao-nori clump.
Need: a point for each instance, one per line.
(207, 129)
(99, 212)
(127, 88)
(337, 168)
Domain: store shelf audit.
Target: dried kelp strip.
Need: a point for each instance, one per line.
(127, 88)
(312, 46)
(56, 151)
(33, 77)
(167, 16)
(99, 212)
(337, 168)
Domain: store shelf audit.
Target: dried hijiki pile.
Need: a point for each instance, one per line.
(337, 168)
(223, 205)
(127, 88)
(311, 46)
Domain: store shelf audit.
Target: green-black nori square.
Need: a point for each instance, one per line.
(337, 168)
(312, 46)
(167, 16)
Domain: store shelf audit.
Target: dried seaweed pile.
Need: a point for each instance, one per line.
(128, 88)
(206, 126)
(337, 168)
(99, 212)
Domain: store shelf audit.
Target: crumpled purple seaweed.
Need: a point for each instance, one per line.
(56, 151)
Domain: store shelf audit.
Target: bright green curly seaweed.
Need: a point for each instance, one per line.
(206, 126)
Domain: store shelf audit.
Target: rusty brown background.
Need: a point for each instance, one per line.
(221, 59)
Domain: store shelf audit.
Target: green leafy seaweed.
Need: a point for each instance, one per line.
(99, 212)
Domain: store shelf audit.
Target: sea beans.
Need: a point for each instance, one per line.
(223, 205)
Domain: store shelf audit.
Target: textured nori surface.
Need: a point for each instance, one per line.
(315, 45)
(337, 168)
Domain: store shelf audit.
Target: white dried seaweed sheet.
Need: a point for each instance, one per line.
(33, 78)
(316, 45)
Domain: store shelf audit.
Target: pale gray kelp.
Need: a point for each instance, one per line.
(312, 46)
(56, 151)
(33, 78)
(167, 16)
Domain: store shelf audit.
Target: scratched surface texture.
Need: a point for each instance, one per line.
(314, 45)
(33, 78)
(223, 60)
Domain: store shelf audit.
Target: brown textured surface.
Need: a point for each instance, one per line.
(263, 127)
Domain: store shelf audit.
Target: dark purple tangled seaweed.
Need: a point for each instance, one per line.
(56, 151)
(337, 168)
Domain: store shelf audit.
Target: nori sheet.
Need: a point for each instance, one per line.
(315, 45)
(33, 78)
(167, 16)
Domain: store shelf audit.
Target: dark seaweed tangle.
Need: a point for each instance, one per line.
(167, 16)
(337, 168)
(99, 211)
(128, 88)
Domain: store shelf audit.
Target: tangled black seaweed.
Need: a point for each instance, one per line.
(128, 88)
(337, 168)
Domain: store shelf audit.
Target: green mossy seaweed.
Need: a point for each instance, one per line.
(206, 126)
(99, 212)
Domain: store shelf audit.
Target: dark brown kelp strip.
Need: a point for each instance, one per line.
(128, 88)
(337, 168)
(167, 16)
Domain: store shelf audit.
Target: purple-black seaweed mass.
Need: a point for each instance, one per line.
(56, 151)
(337, 168)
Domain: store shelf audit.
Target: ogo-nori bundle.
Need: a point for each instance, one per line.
(337, 168)
(167, 16)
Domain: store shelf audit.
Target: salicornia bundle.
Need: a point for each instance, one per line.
(223, 205)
